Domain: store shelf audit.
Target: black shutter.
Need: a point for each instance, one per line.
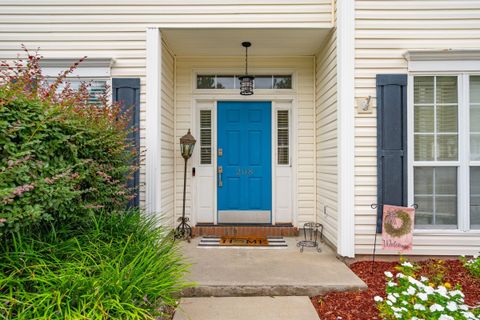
(391, 142)
(126, 91)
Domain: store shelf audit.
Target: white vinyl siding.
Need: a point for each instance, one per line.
(126, 16)
(326, 137)
(385, 30)
(169, 146)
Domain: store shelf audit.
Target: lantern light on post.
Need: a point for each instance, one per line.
(187, 144)
(246, 81)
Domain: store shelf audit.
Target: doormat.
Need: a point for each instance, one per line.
(246, 242)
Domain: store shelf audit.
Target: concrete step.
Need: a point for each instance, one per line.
(246, 308)
(238, 272)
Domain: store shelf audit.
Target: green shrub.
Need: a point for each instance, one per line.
(61, 158)
(409, 297)
(117, 266)
(472, 265)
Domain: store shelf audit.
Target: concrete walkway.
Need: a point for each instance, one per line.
(246, 308)
(233, 272)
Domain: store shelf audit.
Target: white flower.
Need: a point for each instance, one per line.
(443, 291)
(452, 306)
(391, 284)
(423, 279)
(463, 307)
(395, 309)
(388, 274)
(400, 275)
(445, 317)
(428, 289)
(407, 264)
(398, 316)
(418, 306)
(436, 307)
(469, 315)
(392, 298)
(389, 303)
(396, 295)
(422, 296)
(457, 292)
(411, 291)
(378, 299)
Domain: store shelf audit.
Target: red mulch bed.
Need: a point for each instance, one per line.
(359, 305)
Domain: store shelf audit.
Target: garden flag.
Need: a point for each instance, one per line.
(397, 228)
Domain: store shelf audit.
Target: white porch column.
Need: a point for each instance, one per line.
(346, 126)
(153, 190)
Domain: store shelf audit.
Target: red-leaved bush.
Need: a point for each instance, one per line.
(61, 157)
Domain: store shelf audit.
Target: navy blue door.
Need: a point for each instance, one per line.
(244, 156)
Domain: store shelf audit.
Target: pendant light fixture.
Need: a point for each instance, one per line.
(246, 81)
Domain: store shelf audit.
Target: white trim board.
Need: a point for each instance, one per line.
(154, 123)
(448, 60)
(88, 68)
(346, 127)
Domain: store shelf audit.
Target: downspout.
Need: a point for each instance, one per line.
(315, 206)
(174, 134)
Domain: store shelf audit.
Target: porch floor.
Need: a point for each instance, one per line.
(224, 272)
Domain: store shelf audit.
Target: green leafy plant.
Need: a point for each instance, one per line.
(472, 265)
(116, 266)
(411, 297)
(435, 270)
(61, 157)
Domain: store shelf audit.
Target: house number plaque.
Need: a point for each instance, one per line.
(245, 172)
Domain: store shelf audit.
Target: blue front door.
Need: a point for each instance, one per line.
(244, 160)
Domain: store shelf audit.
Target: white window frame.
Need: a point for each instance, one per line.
(463, 163)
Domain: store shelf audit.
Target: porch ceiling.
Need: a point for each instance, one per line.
(227, 42)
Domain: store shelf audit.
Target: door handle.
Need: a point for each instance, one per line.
(220, 172)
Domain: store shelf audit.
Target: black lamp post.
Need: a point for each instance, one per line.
(187, 144)
(246, 81)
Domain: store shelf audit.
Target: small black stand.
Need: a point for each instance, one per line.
(311, 240)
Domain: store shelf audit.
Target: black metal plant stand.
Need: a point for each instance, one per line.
(311, 230)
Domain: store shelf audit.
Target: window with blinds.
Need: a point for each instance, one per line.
(96, 89)
(474, 162)
(436, 150)
(205, 137)
(283, 152)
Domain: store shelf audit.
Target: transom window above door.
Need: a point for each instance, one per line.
(233, 82)
(446, 151)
